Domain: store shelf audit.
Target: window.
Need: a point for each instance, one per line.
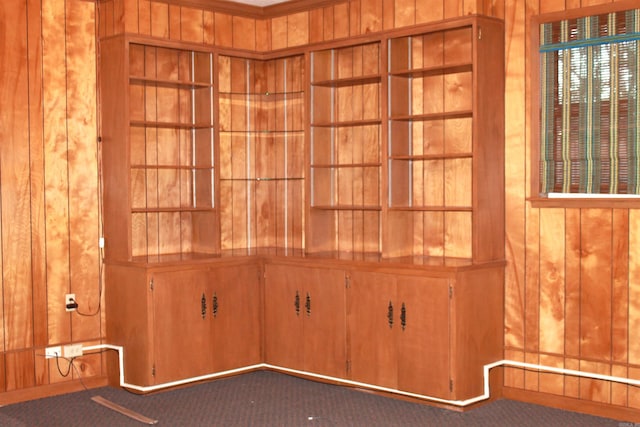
(589, 105)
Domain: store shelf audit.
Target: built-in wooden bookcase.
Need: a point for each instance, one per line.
(346, 150)
(159, 151)
(445, 142)
(261, 116)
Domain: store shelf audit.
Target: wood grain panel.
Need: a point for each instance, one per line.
(552, 283)
(634, 287)
(82, 163)
(56, 168)
(371, 16)
(514, 168)
(20, 368)
(595, 291)
(244, 33)
(404, 13)
(36, 169)
(144, 17)
(159, 19)
(572, 282)
(191, 25)
(208, 23)
(130, 16)
(620, 286)
(429, 11)
(223, 30)
(328, 23)
(14, 178)
(298, 29)
(175, 22)
(340, 21)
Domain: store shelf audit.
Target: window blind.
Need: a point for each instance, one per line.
(590, 127)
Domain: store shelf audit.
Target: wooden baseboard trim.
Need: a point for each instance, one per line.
(50, 390)
(615, 412)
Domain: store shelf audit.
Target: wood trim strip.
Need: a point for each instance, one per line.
(124, 411)
(245, 10)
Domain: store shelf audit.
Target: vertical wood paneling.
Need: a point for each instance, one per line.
(56, 167)
(316, 25)
(36, 169)
(634, 286)
(159, 19)
(82, 163)
(279, 32)
(298, 29)
(341, 21)
(404, 13)
(223, 30)
(595, 292)
(371, 16)
(14, 181)
(515, 169)
(244, 33)
(191, 25)
(551, 281)
(144, 17)
(429, 11)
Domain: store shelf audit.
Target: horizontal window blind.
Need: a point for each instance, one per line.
(590, 128)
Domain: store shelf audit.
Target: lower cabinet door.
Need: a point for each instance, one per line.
(305, 323)
(399, 332)
(235, 301)
(182, 333)
(423, 336)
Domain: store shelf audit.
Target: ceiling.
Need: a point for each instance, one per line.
(259, 3)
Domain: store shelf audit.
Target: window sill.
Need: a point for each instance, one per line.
(598, 202)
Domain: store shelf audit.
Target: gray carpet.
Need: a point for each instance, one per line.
(272, 399)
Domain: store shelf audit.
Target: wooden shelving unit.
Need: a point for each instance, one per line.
(159, 150)
(355, 188)
(346, 150)
(444, 144)
(261, 110)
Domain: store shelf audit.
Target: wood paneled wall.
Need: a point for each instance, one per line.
(49, 206)
(573, 275)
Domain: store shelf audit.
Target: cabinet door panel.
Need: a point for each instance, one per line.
(283, 317)
(373, 353)
(182, 333)
(235, 316)
(423, 341)
(325, 321)
(305, 323)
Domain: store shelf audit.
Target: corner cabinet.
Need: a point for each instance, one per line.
(335, 210)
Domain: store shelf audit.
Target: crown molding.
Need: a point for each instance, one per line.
(257, 12)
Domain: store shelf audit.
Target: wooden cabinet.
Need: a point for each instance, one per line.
(305, 322)
(378, 158)
(346, 150)
(399, 332)
(428, 333)
(184, 321)
(158, 151)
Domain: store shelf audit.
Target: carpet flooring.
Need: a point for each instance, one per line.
(268, 399)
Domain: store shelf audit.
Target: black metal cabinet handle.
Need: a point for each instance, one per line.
(403, 316)
(390, 314)
(214, 301)
(296, 303)
(307, 304)
(203, 306)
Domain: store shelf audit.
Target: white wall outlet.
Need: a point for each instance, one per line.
(70, 303)
(51, 352)
(72, 350)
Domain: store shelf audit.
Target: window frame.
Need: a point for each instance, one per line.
(570, 200)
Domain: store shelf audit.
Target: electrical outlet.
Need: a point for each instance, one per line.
(72, 350)
(51, 352)
(70, 303)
